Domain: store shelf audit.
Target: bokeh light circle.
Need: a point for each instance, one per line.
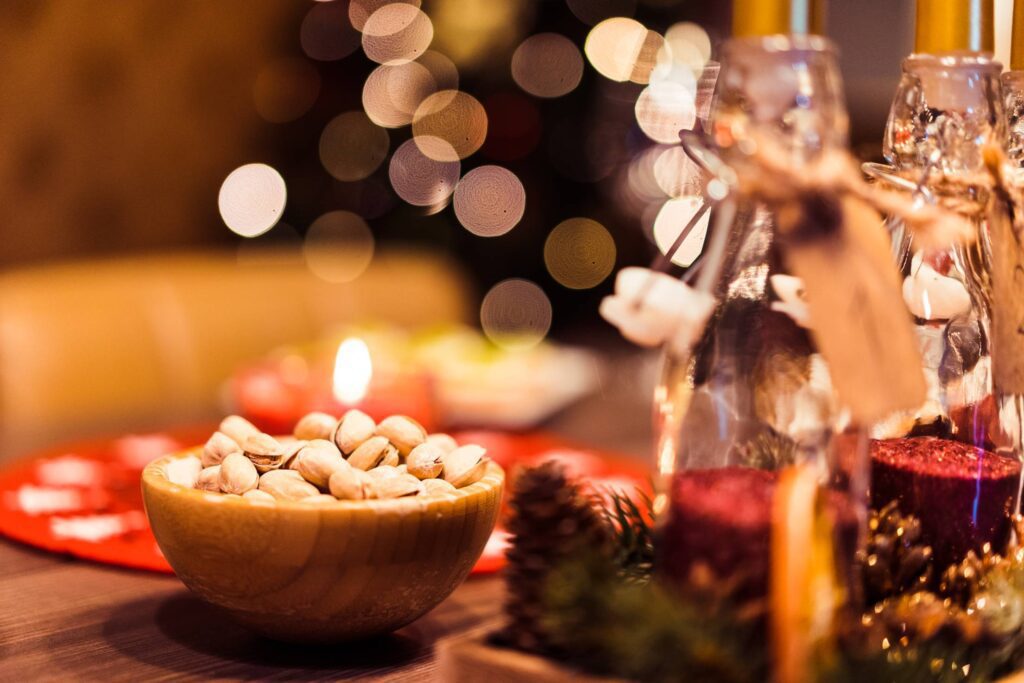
(671, 219)
(489, 201)
(361, 10)
(325, 33)
(338, 247)
(622, 49)
(452, 116)
(252, 199)
(676, 174)
(392, 93)
(419, 179)
(515, 314)
(663, 110)
(690, 44)
(579, 253)
(443, 70)
(547, 65)
(352, 146)
(397, 33)
(285, 90)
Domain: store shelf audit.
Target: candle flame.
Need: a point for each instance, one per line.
(352, 371)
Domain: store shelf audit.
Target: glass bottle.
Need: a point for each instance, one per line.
(1012, 82)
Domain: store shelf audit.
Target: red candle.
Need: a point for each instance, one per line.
(276, 393)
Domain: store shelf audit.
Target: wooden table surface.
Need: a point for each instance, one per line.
(65, 619)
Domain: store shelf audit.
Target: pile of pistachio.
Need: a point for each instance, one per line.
(328, 459)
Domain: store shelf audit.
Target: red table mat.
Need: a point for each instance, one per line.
(85, 500)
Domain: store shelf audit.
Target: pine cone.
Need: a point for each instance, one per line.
(551, 520)
(769, 450)
(924, 617)
(961, 582)
(895, 560)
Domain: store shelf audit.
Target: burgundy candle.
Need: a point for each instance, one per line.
(963, 495)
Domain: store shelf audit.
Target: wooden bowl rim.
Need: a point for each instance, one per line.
(154, 476)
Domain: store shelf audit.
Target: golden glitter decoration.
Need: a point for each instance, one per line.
(595, 11)
(672, 218)
(454, 117)
(392, 93)
(397, 33)
(515, 314)
(338, 247)
(663, 109)
(489, 201)
(547, 65)
(623, 49)
(676, 174)
(361, 10)
(421, 180)
(285, 90)
(579, 253)
(252, 199)
(352, 147)
(325, 33)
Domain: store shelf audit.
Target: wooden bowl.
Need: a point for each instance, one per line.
(321, 573)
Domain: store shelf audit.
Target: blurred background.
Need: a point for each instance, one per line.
(187, 186)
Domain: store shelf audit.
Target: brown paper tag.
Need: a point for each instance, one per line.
(1007, 299)
(858, 319)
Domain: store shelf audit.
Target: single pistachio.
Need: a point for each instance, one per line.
(397, 487)
(383, 472)
(257, 496)
(391, 458)
(317, 463)
(320, 499)
(218, 446)
(425, 461)
(372, 452)
(292, 451)
(465, 465)
(354, 428)
(286, 485)
(315, 426)
(184, 471)
(266, 452)
(350, 484)
(437, 487)
(402, 431)
(238, 428)
(238, 474)
(445, 442)
(209, 479)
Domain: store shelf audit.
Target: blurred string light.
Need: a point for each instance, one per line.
(397, 33)
(547, 65)
(595, 11)
(442, 69)
(392, 93)
(622, 49)
(489, 201)
(325, 33)
(675, 173)
(285, 90)
(421, 180)
(689, 45)
(515, 314)
(579, 253)
(473, 32)
(361, 10)
(664, 109)
(338, 246)
(352, 146)
(453, 117)
(252, 199)
(674, 214)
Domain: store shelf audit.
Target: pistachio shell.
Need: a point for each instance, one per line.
(238, 474)
(445, 442)
(397, 487)
(266, 452)
(291, 454)
(184, 471)
(404, 432)
(286, 485)
(437, 487)
(353, 429)
(257, 496)
(209, 479)
(350, 484)
(316, 463)
(372, 452)
(382, 472)
(425, 461)
(218, 446)
(238, 428)
(315, 426)
(464, 465)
